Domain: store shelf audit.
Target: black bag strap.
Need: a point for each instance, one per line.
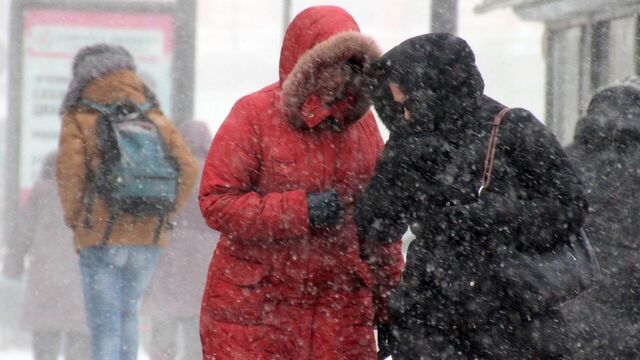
(491, 150)
(89, 198)
(156, 233)
(89, 192)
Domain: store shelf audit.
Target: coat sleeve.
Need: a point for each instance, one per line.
(382, 211)
(186, 163)
(227, 197)
(71, 169)
(385, 261)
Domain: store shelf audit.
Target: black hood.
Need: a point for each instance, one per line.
(612, 119)
(438, 74)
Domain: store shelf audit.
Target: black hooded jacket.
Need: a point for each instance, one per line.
(429, 176)
(606, 152)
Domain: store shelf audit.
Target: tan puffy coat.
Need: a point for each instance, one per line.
(78, 148)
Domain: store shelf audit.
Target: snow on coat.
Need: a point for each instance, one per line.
(277, 288)
(451, 301)
(606, 151)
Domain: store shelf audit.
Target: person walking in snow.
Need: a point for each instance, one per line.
(451, 303)
(52, 308)
(118, 192)
(173, 298)
(290, 279)
(606, 151)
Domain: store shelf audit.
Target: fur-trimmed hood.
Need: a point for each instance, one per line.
(321, 46)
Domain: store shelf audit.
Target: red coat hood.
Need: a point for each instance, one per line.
(319, 40)
(310, 27)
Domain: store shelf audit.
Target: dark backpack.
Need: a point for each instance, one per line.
(137, 174)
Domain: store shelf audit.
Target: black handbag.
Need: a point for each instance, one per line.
(542, 280)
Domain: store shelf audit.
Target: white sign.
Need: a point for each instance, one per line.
(51, 39)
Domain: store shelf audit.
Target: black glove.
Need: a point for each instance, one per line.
(325, 209)
(386, 341)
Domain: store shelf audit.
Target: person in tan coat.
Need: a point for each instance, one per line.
(116, 268)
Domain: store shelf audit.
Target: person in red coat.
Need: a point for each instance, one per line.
(287, 279)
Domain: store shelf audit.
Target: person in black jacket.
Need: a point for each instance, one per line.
(451, 303)
(606, 152)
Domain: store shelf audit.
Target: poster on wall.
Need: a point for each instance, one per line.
(51, 37)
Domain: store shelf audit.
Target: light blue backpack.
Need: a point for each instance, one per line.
(138, 174)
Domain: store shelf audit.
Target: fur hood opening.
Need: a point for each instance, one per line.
(309, 75)
(318, 45)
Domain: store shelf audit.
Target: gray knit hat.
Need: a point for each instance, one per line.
(93, 62)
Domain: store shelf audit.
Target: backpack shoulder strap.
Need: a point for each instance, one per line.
(101, 108)
(150, 100)
(491, 150)
(145, 107)
(90, 193)
(109, 108)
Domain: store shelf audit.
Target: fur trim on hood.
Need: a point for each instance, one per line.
(309, 75)
(93, 62)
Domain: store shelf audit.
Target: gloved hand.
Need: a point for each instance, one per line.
(325, 209)
(386, 341)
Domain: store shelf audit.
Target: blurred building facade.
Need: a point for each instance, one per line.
(232, 60)
(588, 44)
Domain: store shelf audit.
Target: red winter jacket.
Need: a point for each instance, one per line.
(267, 155)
